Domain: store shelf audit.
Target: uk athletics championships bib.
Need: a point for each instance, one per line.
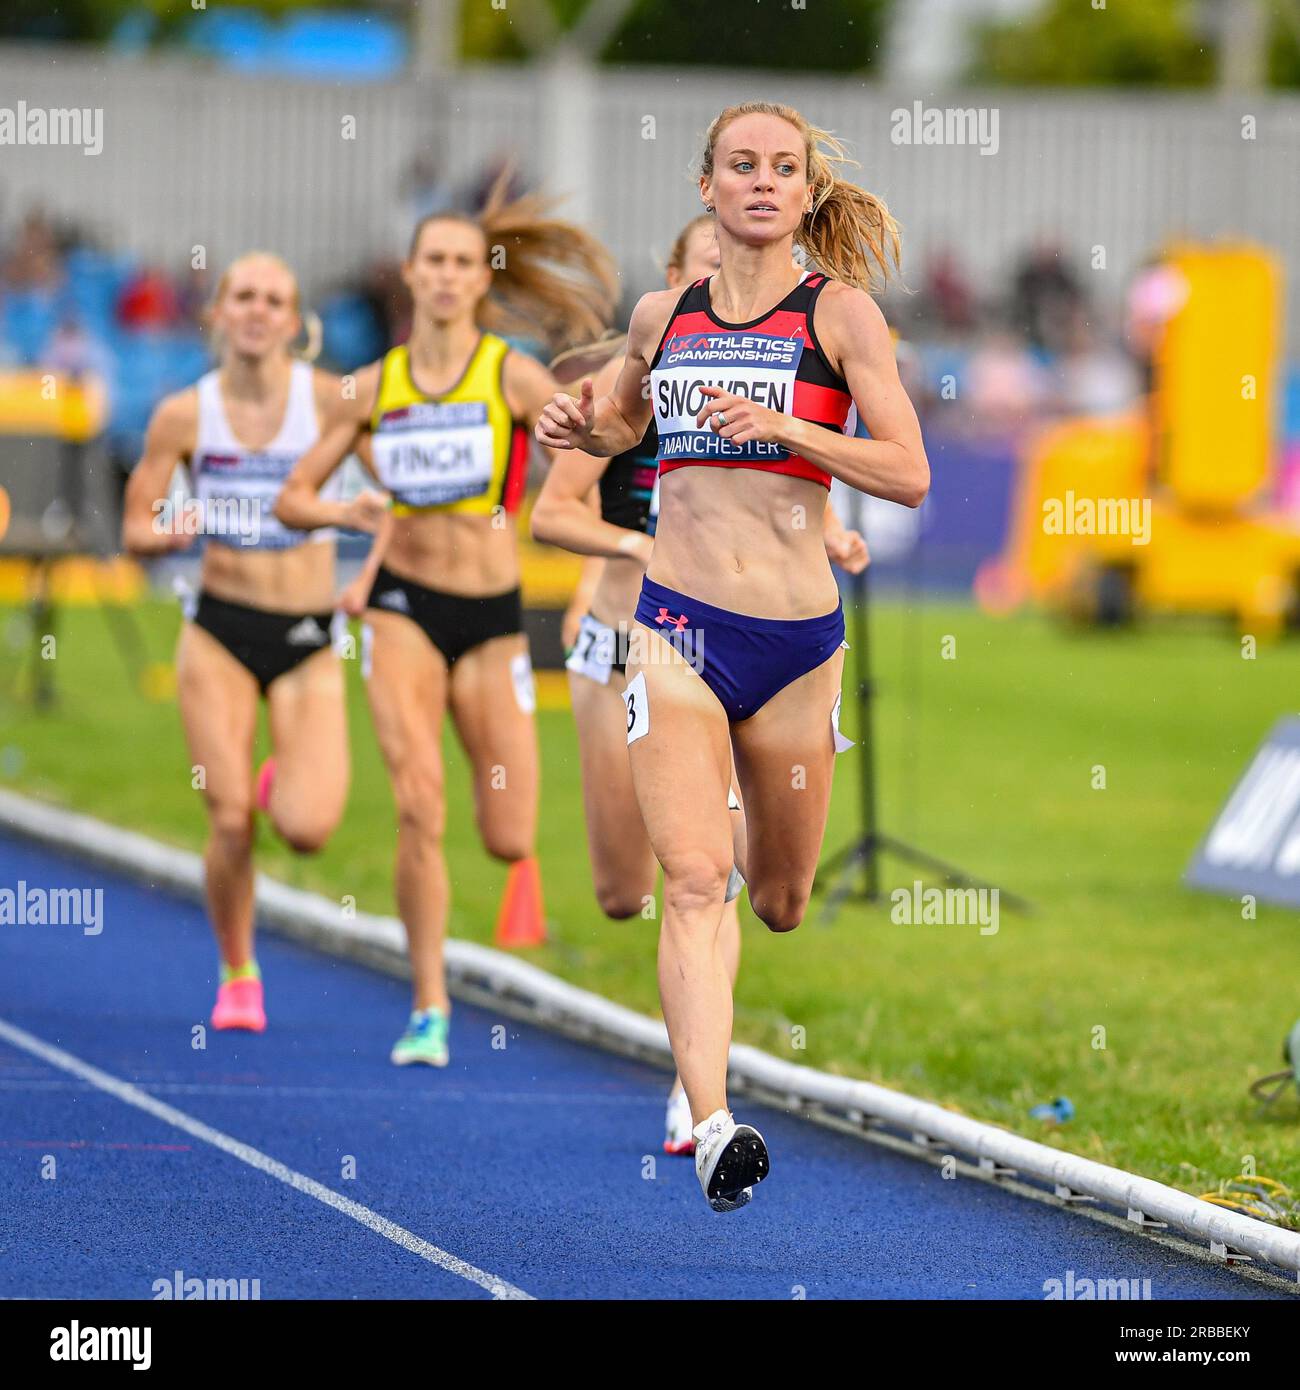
(774, 360)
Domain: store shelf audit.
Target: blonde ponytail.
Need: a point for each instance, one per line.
(848, 233)
(314, 336)
(554, 279)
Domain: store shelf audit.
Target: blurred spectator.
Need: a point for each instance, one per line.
(148, 301)
(73, 352)
(1044, 295)
(1157, 293)
(194, 296)
(424, 191)
(389, 301)
(949, 298)
(911, 372)
(1005, 387)
(476, 195)
(35, 262)
(1093, 378)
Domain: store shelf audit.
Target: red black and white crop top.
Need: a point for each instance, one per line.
(774, 360)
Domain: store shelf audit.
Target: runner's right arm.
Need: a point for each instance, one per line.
(607, 425)
(168, 441)
(300, 504)
(563, 515)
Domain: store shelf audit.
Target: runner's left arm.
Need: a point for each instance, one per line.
(845, 548)
(856, 340)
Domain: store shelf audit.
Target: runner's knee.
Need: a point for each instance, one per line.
(305, 831)
(231, 819)
(779, 906)
(421, 807)
(508, 841)
(622, 897)
(695, 881)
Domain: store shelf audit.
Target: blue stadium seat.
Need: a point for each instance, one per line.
(319, 44)
(313, 43)
(1291, 404)
(351, 336)
(27, 318)
(242, 39)
(150, 365)
(95, 281)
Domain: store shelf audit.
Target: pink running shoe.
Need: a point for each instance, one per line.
(239, 1005)
(265, 775)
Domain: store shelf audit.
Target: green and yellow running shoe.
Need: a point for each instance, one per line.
(425, 1040)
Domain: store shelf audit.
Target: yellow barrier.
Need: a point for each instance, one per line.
(1065, 470)
(1104, 523)
(75, 580)
(46, 403)
(1215, 369)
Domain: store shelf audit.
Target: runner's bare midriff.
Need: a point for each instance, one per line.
(466, 555)
(744, 540)
(297, 580)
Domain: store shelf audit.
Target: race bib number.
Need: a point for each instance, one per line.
(593, 653)
(521, 673)
(188, 597)
(759, 366)
(236, 494)
(842, 744)
(435, 452)
(638, 708)
(341, 639)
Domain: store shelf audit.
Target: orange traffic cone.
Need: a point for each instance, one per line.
(521, 921)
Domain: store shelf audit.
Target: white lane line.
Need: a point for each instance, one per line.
(251, 1090)
(132, 1095)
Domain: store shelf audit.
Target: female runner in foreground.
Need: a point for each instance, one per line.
(753, 374)
(262, 624)
(623, 861)
(447, 419)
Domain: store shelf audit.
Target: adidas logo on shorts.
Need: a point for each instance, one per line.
(395, 599)
(307, 633)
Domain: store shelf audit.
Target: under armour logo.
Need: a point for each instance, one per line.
(666, 617)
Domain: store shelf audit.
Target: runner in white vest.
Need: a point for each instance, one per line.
(261, 626)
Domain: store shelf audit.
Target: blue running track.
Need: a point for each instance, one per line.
(534, 1167)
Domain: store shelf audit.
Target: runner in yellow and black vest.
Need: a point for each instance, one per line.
(444, 423)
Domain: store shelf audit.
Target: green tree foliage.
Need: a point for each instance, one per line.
(1284, 52)
(1131, 43)
(819, 35)
(490, 35)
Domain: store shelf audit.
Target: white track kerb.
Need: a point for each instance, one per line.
(482, 975)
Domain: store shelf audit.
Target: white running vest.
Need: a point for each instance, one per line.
(236, 486)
